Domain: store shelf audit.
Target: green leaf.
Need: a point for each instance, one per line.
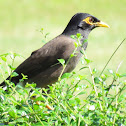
(30, 85)
(42, 29)
(19, 86)
(72, 102)
(20, 120)
(84, 41)
(72, 55)
(94, 71)
(24, 77)
(14, 74)
(62, 61)
(99, 94)
(11, 67)
(66, 120)
(13, 112)
(83, 68)
(81, 51)
(44, 123)
(66, 75)
(79, 35)
(81, 77)
(122, 97)
(122, 75)
(83, 92)
(46, 34)
(78, 100)
(97, 80)
(17, 55)
(73, 36)
(87, 60)
(6, 54)
(39, 99)
(76, 44)
(4, 58)
(43, 41)
(104, 77)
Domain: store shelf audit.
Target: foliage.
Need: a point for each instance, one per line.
(75, 100)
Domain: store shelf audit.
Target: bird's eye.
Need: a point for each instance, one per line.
(91, 20)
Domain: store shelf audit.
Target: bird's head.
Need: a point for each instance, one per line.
(83, 23)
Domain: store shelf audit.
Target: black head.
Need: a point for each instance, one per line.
(83, 23)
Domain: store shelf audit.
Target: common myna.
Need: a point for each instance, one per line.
(42, 67)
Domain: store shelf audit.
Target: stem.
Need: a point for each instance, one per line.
(116, 95)
(13, 59)
(112, 56)
(74, 86)
(110, 86)
(94, 86)
(114, 79)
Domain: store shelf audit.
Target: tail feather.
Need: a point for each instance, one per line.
(3, 84)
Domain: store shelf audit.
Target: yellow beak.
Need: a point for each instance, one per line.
(101, 24)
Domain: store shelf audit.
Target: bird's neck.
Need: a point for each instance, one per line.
(69, 32)
(84, 35)
(83, 40)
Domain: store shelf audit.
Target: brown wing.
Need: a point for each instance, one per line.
(43, 58)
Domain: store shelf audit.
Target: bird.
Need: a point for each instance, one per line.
(42, 66)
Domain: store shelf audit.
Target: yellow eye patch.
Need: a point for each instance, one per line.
(89, 21)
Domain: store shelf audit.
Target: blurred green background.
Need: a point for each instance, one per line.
(21, 20)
